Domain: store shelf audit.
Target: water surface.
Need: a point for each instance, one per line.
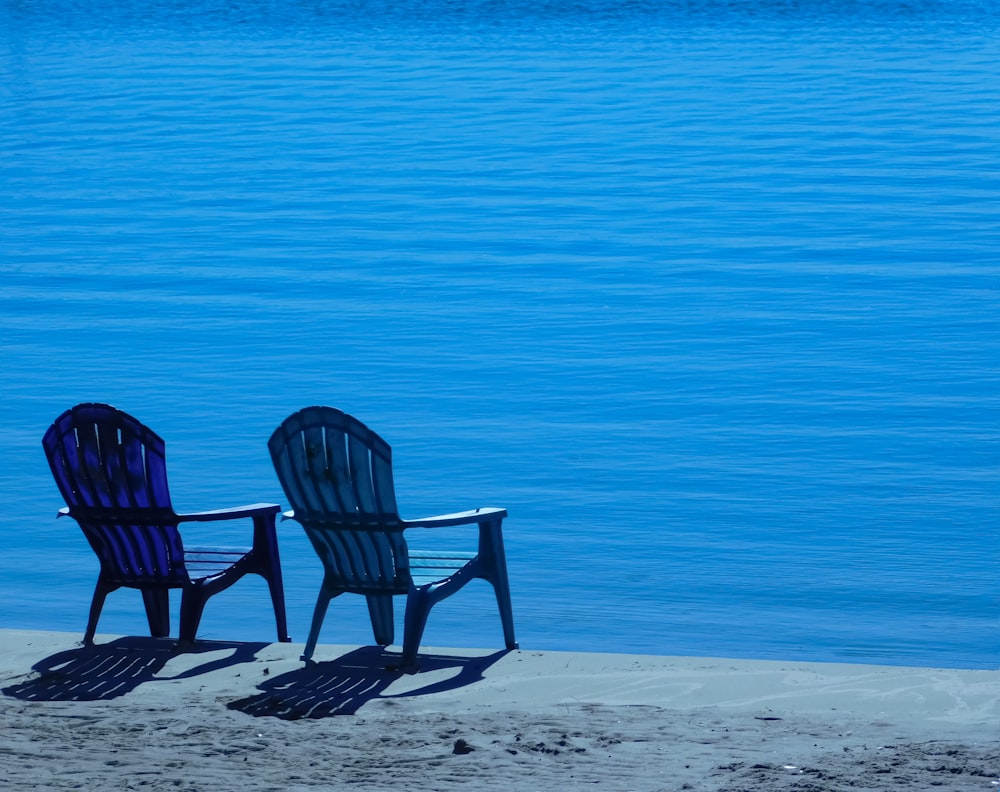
(706, 294)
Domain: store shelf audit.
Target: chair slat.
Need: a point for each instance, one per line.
(427, 567)
(138, 554)
(361, 474)
(90, 474)
(359, 558)
(419, 557)
(308, 458)
(385, 490)
(337, 472)
(207, 562)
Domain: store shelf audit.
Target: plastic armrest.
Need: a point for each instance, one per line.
(474, 516)
(235, 513)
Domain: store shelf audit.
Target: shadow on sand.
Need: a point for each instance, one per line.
(343, 685)
(108, 671)
(336, 687)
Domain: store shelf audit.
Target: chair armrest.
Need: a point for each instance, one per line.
(235, 513)
(474, 516)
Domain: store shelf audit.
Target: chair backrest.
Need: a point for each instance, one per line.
(337, 476)
(111, 471)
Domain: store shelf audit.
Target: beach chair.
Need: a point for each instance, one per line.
(337, 475)
(111, 471)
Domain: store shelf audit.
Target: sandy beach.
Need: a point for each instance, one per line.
(138, 713)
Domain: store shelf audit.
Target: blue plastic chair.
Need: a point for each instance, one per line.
(337, 475)
(111, 471)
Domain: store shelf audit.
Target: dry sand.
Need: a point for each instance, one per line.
(136, 713)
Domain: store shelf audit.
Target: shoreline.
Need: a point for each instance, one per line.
(233, 716)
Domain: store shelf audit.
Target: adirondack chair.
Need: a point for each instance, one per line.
(111, 471)
(337, 475)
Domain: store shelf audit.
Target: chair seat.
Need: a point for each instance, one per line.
(208, 562)
(428, 567)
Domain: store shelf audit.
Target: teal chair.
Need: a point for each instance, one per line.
(337, 476)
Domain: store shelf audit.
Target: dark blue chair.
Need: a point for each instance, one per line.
(337, 475)
(111, 471)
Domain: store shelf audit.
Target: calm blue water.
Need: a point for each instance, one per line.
(707, 294)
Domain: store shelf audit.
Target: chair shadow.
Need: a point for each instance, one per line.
(108, 671)
(344, 685)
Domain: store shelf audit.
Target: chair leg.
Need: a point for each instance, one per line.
(278, 601)
(157, 611)
(192, 606)
(101, 591)
(383, 623)
(493, 559)
(322, 603)
(502, 589)
(418, 607)
(265, 549)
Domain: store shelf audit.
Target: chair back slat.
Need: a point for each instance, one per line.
(138, 554)
(294, 471)
(111, 471)
(337, 476)
(359, 455)
(315, 498)
(360, 560)
(382, 482)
